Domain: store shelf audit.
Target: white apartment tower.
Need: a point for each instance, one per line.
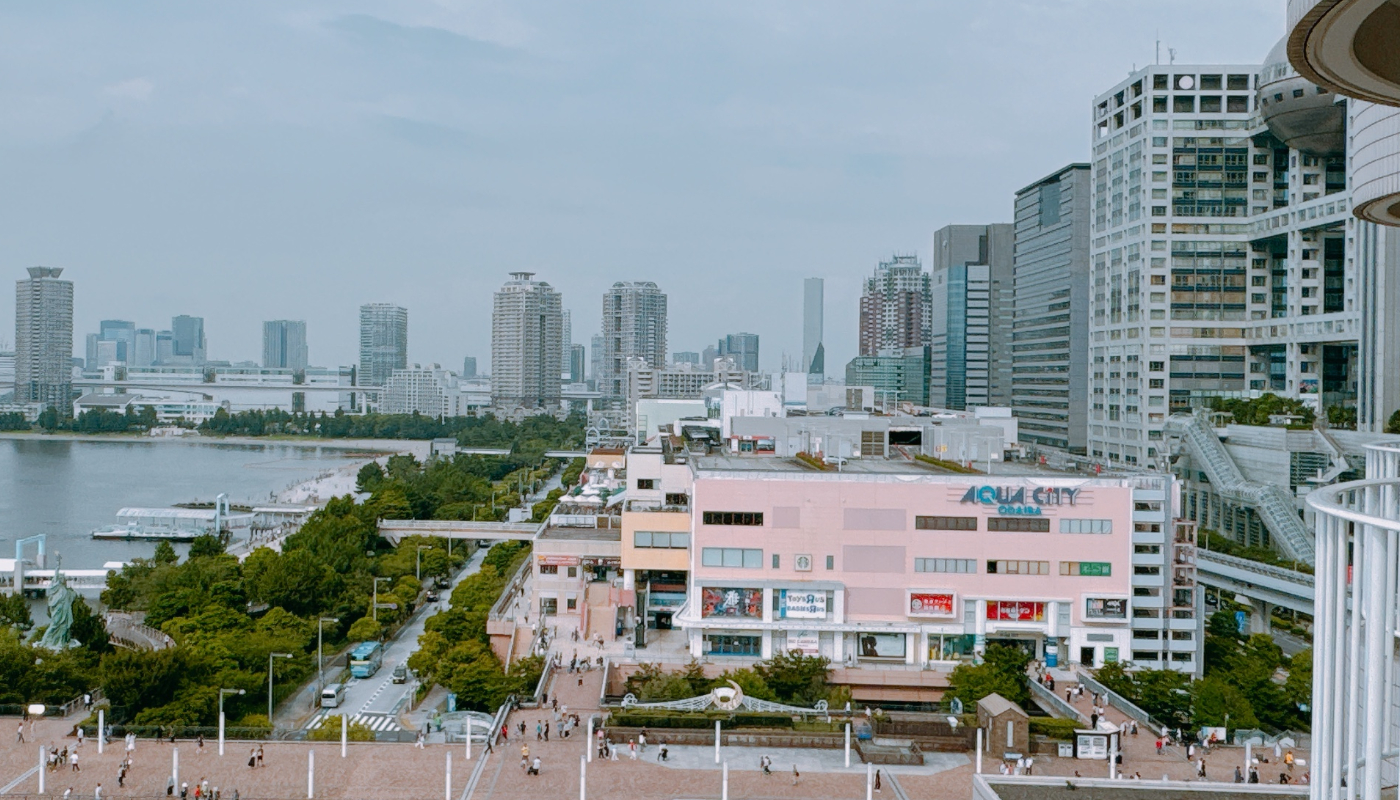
(1222, 249)
(44, 339)
(634, 326)
(383, 342)
(527, 337)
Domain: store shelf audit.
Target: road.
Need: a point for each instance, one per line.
(376, 700)
(1288, 642)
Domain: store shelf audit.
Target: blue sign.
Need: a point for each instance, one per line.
(1016, 500)
(1241, 622)
(451, 702)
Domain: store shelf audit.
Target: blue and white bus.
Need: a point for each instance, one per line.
(365, 659)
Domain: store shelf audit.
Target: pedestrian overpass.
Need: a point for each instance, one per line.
(395, 530)
(1262, 585)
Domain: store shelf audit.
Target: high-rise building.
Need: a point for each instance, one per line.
(595, 359)
(1050, 311)
(165, 347)
(567, 347)
(742, 348)
(526, 345)
(813, 309)
(121, 332)
(904, 378)
(383, 342)
(144, 348)
(187, 346)
(284, 344)
(970, 288)
(634, 326)
(577, 361)
(44, 339)
(469, 367)
(896, 307)
(1222, 262)
(430, 392)
(686, 357)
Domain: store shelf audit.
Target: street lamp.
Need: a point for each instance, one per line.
(375, 610)
(320, 660)
(223, 692)
(418, 562)
(271, 656)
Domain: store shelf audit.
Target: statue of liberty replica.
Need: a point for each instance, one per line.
(61, 598)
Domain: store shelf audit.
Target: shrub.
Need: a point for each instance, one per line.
(330, 731)
(1055, 728)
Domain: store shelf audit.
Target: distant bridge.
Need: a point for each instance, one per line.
(395, 530)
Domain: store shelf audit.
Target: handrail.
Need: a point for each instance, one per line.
(1281, 573)
(1325, 501)
(1056, 704)
(1121, 703)
(496, 723)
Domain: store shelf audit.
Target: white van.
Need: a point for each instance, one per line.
(333, 695)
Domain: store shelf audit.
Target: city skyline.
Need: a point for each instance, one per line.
(825, 160)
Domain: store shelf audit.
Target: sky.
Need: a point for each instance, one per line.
(293, 159)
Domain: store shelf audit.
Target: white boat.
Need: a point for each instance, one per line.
(135, 531)
(172, 524)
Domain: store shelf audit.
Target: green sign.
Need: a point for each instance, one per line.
(1095, 569)
(1110, 655)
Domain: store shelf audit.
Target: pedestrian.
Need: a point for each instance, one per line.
(121, 777)
(170, 786)
(534, 767)
(73, 761)
(1159, 745)
(1201, 768)
(261, 763)
(204, 785)
(68, 793)
(1190, 751)
(877, 780)
(20, 734)
(661, 755)
(489, 749)
(199, 746)
(87, 701)
(252, 757)
(632, 749)
(642, 740)
(184, 790)
(1094, 721)
(1239, 776)
(539, 730)
(546, 731)
(97, 792)
(795, 775)
(82, 735)
(1134, 728)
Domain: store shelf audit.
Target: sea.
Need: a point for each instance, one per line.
(63, 489)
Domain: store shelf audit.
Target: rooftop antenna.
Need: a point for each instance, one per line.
(1171, 54)
(1159, 47)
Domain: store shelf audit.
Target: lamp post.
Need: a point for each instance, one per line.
(320, 660)
(271, 656)
(374, 611)
(223, 692)
(418, 562)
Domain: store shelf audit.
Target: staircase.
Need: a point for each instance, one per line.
(1272, 503)
(1334, 451)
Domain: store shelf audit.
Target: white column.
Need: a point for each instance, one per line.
(716, 741)
(221, 733)
(469, 740)
(869, 782)
(1113, 756)
(101, 728)
(629, 579)
(979, 751)
(848, 744)
(589, 743)
(1052, 623)
(447, 790)
(724, 784)
(310, 774)
(766, 646)
(1248, 757)
(175, 766)
(344, 734)
(1378, 640)
(43, 766)
(582, 778)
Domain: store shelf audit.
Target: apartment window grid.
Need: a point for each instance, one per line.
(962, 566)
(1009, 567)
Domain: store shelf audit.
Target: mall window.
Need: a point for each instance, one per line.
(1086, 569)
(945, 523)
(1086, 526)
(646, 483)
(958, 565)
(1018, 524)
(1018, 567)
(549, 569)
(661, 540)
(734, 557)
(721, 645)
(754, 518)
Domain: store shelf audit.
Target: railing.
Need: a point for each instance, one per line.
(1268, 570)
(496, 724)
(127, 632)
(1122, 703)
(1057, 705)
(517, 582)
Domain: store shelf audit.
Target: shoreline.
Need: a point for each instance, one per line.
(377, 448)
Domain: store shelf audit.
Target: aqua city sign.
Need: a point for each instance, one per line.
(1016, 500)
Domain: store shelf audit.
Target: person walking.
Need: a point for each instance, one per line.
(261, 763)
(252, 757)
(170, 786)
(632, 749)
(68, 793)
(539, 730)
(184, 790)
(97, 792)
(795, 775)
(73, 762)
(877, 780)
(20, 734)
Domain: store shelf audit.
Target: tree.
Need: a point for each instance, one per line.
(205, 546)
(1392, 425)
(1003, 672)
(88, 628)
(1298, 685)
(165, 554)
(364, 629)
(796, 678)
(14, 611)
(369, 477)
(1213, 699)
(1165, 694)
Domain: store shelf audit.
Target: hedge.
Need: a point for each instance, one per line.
(1055, 728)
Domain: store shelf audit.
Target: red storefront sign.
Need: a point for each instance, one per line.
(558, 561)
(938, 604)
(1015, 611)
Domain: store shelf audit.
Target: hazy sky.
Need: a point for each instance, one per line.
(294, 159)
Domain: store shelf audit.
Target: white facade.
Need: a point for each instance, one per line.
(634, 327)
(44, 338)
(430, 392)
(526, 346)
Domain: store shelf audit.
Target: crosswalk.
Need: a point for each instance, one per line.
(375, 722)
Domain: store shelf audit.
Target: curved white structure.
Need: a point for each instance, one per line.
(1375, 156)
(1356, 680)
(1347, 46)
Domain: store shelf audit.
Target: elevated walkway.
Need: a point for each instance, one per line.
(1264, 582)
(396, 529)
(1273, 503)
